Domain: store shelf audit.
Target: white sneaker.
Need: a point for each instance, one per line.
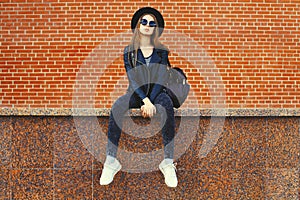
(109, 171)
(169, 172)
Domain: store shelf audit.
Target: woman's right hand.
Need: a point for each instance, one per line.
(148, 109)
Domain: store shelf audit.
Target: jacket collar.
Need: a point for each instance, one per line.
(154, 59)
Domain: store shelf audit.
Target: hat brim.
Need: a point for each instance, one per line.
(148, 10)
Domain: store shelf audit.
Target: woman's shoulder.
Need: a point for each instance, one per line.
(163, 52)
(126, 48)
(162, 49)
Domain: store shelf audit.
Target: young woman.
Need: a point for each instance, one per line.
(145, 61)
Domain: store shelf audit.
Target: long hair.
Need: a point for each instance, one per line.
(136, 38)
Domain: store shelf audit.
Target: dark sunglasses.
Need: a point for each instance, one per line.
(144, 22)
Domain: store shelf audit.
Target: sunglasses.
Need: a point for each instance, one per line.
(144, 22)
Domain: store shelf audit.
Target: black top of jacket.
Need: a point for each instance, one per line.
(146, 81)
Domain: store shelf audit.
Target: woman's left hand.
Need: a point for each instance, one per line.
(148, 109)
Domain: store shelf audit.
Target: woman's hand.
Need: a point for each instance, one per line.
(148, 109)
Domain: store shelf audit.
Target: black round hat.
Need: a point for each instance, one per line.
(148, 10)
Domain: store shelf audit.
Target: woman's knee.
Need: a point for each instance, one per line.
(164, 100)
(121, 104)
(125, 102)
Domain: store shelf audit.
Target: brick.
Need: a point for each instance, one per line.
(252, 44)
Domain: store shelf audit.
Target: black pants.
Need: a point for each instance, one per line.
(128, 101)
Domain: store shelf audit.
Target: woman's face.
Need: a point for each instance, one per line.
(147, 25)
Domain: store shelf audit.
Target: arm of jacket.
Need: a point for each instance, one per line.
(132, 76)
(161, 76)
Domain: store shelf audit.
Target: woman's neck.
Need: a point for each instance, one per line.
(145, 42)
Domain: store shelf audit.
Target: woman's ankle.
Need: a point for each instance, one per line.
(168, 161)
(110, 159)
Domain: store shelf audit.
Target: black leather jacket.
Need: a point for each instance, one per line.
(147, 81)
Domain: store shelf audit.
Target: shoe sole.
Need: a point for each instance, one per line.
(162, 171)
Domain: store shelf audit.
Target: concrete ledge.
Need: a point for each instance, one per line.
(235, 158)
(136, 112)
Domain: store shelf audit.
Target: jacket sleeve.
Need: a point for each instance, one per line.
(132, 75)
(162, 76)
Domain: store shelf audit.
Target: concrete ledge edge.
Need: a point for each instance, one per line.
(247, 112)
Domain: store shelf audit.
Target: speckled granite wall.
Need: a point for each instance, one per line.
(43, 157)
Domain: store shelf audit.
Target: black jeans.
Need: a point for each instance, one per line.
(128, 101)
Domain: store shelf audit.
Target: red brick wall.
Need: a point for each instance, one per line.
(252, 47)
